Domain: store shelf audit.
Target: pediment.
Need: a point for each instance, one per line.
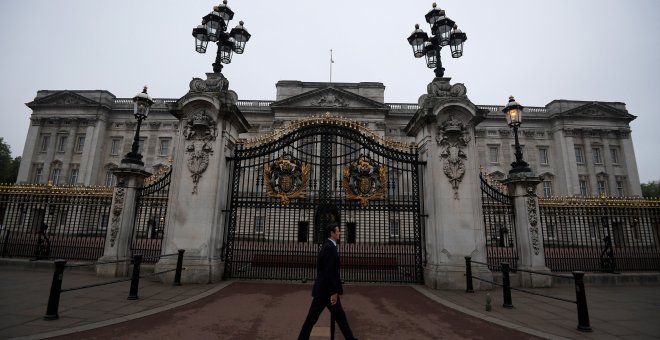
(329, 98)
(64, 98)
(597, 110)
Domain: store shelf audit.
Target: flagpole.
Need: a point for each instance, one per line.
(331, 62)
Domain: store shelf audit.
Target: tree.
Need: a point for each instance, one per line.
(651, 189)
(8, 166)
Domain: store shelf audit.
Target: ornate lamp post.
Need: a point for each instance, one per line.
(445, 32)
(141, 104)
(513, 112)
(213, 28)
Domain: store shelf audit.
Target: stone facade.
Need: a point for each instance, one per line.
(580, 148)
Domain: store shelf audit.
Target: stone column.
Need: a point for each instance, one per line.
(444, 129)
(209, 125)
(130, 177)
(529, 238)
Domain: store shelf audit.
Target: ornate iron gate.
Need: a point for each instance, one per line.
(499, 224)
(150, 211)
(284, 186)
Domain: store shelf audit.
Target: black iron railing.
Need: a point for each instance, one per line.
(150, 214)
(601, 234)
(45, 221)
(499, 224)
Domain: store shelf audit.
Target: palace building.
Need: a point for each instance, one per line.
(579, 148)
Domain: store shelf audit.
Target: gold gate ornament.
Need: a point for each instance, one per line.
(365, 180)
(286, 178)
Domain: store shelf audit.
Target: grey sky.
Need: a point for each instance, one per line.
(536, 50)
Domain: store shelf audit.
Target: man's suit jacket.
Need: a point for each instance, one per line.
(327, 281)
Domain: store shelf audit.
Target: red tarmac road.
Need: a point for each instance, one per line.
(264, 310)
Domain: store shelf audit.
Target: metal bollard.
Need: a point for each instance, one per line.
(55, 291)
(581, 299)
(332, 327)
(135, 279)
(468, 274)
(506, 286)
(179, 266)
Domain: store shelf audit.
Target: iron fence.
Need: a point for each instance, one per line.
(45, 221)
(150, 213)
(499, 224)
(601, 234)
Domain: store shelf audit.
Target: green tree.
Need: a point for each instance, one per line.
(8, 166)
(651, 189)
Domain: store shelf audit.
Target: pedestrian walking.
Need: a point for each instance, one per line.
(327, 287)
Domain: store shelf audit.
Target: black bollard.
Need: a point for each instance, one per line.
(581, 299)
(506, 286)
(332, 327)
(468, 274)
(179, 266)
(55, 291)
(135, 279)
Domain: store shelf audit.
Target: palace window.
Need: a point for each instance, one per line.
(45, 140)
(602, 188)
(115, 146)
(38, 175)
(547, 189)
(395, 228)
(61, 143)
(579, 155)
(543, 155)
(619, 188)
(493, 154)
(141, 143)
(598, 159)
(164, 147)
(584, 188)
(614, 154)
(109, 179)
(552, 232)
(56, 175)
(73, 177)
(80, 144)
(259, 224)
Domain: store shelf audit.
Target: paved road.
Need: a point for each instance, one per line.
(251, 310)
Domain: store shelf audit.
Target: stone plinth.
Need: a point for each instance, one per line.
(529, 238)
(117, 250)
(209, 125)
(444, 128)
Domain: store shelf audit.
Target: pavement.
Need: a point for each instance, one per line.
(276, 310)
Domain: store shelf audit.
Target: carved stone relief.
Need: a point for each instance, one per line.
(442, 88)
(533, 220)
(329, 100)
(453, 137)
(117, 208)
(199, 131)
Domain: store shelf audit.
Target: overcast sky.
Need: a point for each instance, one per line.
(601, 50)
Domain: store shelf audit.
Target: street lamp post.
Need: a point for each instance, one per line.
(141, 104)
(213, 28)
(445, 32)
(513, 112)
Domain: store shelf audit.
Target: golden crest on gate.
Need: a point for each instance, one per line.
(286, 178)
(365, 180)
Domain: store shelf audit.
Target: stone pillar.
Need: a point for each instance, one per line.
(444, 128)
(529, 238)
(130, 177)
(209, 125)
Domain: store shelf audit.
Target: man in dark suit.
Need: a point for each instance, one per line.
(327, 287)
